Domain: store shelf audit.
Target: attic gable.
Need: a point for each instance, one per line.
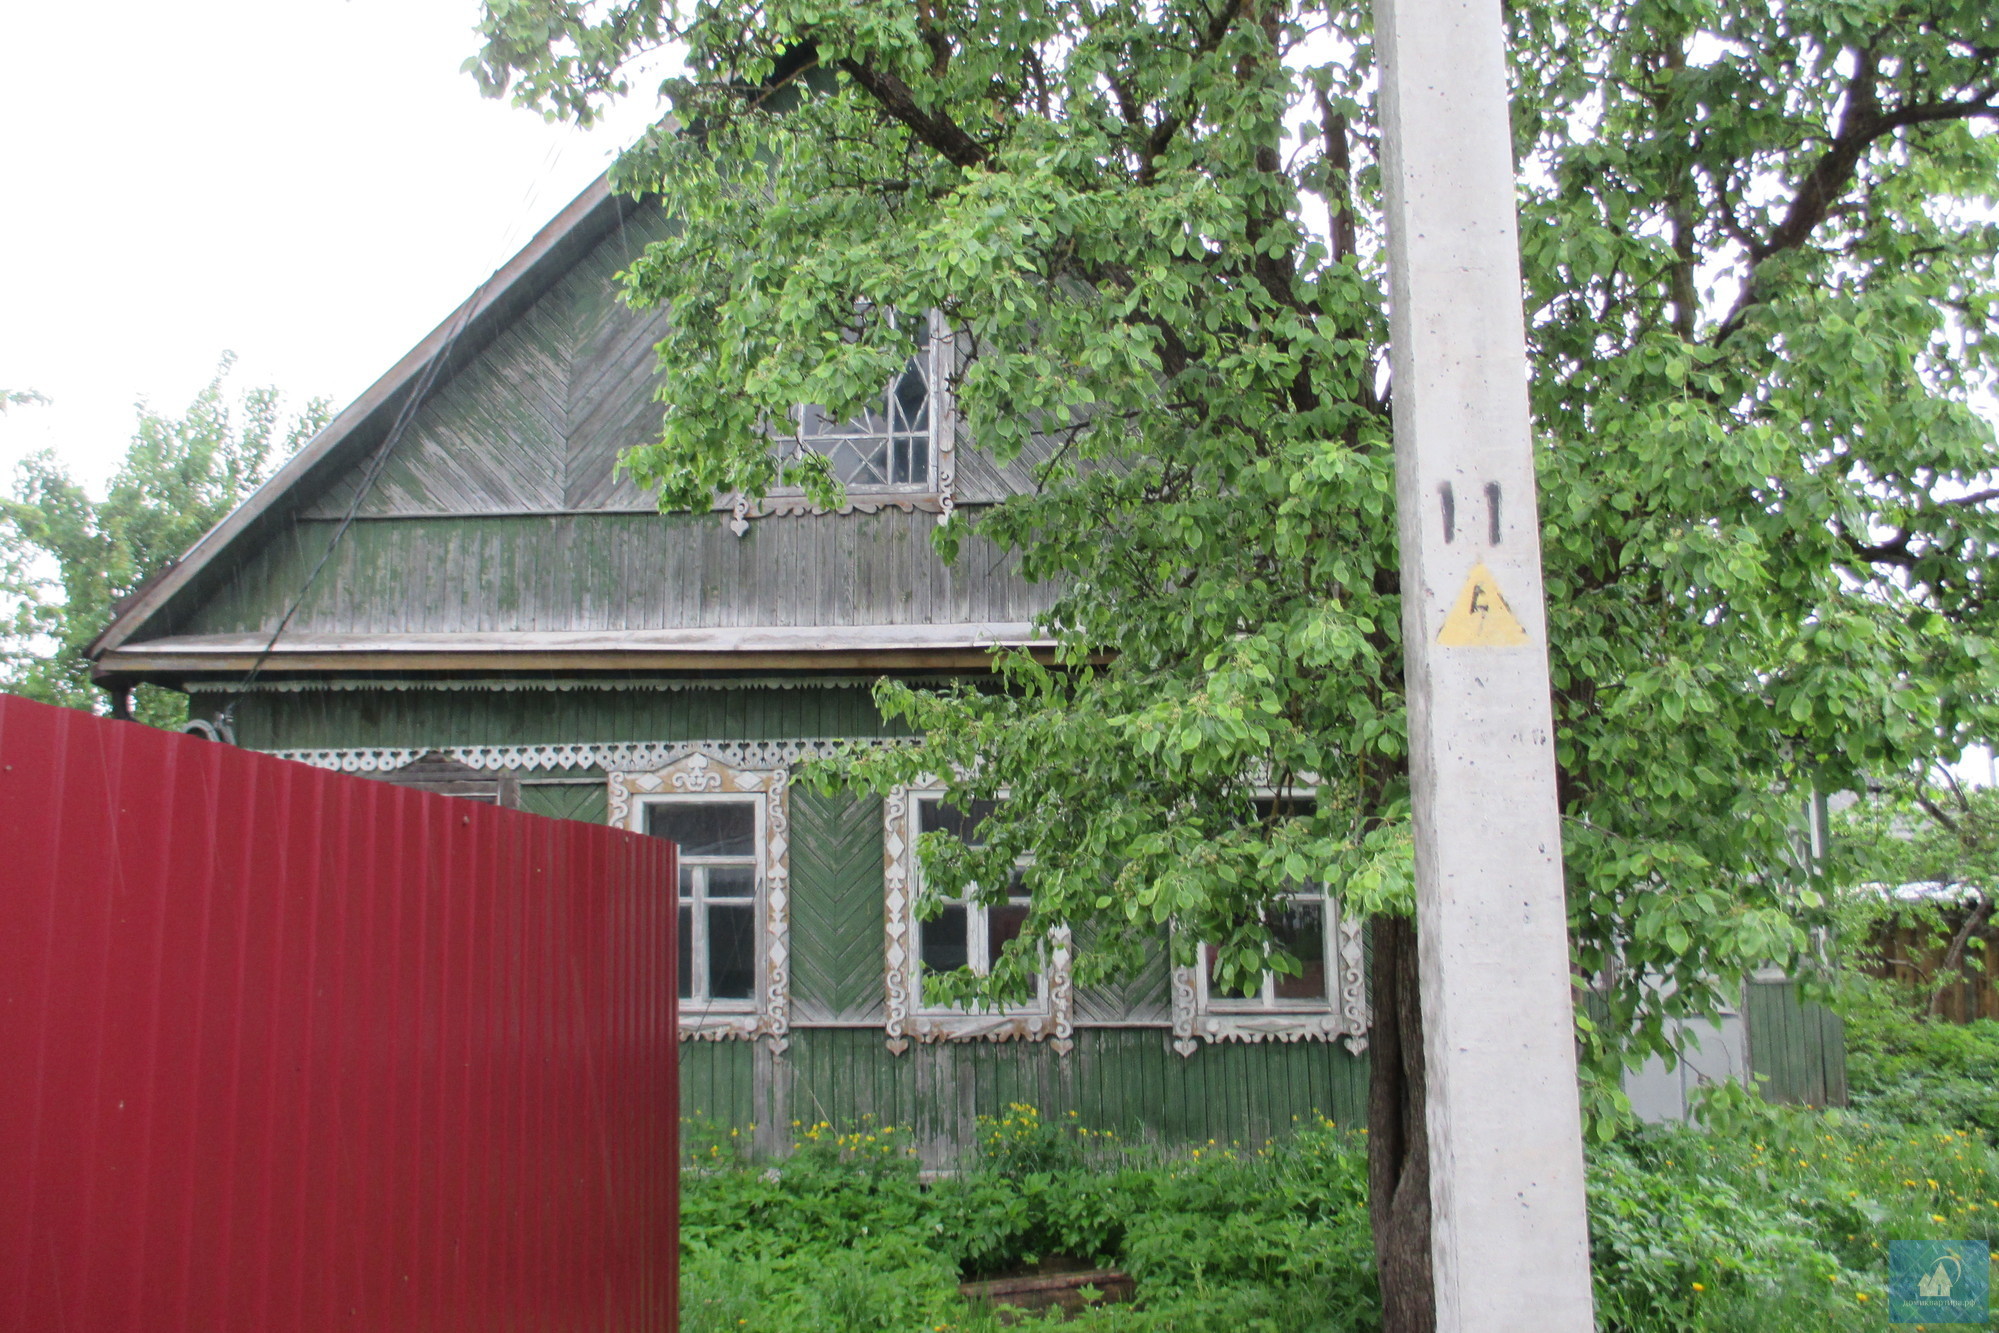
(497, 529)
(535, 422)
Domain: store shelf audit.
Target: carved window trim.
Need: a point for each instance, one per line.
(1051, 1019)
(938, 496)
(435, 771)
(1342, 1014)
(703, 774)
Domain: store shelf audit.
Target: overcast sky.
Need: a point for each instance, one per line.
(312, 184)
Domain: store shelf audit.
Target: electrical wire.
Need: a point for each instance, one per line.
(377, 464)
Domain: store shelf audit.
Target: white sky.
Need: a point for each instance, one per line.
(312, 184)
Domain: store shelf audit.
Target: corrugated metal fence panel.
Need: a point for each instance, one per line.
(285, 1050)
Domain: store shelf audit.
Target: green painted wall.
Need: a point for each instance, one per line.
(613, 573)
(341, 719)
(584, 801)
(1128, 1080)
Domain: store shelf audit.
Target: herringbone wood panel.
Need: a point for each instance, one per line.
(836, 906)
(1143, 997)
(564, 800)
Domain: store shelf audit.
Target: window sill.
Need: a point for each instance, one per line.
(869, 500)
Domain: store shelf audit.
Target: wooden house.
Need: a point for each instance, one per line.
(452, 586)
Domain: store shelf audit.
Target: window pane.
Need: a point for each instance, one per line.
(1299, 929)
(1208, 958)
(934, 816)
(1288, 807)
(732, 882)
(686, 881)
(686, 953)
(910, 398)
(1003, 923)
(705, 828)
(941, 943)
(732, 952)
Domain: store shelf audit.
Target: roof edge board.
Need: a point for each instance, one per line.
(536, 267)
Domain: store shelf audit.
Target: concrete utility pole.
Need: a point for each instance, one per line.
(1510, 1241)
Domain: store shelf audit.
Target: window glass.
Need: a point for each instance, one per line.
(888, 444)
(732, 951)
(1299, 929)
(1003, 924)
(934, 816)
(717, 892)
(706, 828)
(686, 972)
(943, 943)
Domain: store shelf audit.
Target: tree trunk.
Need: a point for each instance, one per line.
(1953, 956)
(1398, 1141)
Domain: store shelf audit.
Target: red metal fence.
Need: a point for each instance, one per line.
(282, 1050)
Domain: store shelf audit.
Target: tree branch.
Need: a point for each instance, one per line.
(1162, 134)
(935, 129)
(1862, 121)
(1338, 189)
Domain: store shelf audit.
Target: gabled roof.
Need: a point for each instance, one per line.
(366, 422)
(495, 534)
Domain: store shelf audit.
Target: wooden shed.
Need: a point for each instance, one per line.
(451, 586)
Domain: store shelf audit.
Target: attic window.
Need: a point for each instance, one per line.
(889, 445)
(897, 454)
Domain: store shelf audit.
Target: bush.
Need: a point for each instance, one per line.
(1767, 1219)
(1905, 1066)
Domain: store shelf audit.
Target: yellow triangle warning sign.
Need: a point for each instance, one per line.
(1481, 618)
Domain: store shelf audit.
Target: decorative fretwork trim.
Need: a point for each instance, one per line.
(940, 499)
(563, 685)
(622, 756)
(1344, 1016)
(700, 773)
(1052, 1020)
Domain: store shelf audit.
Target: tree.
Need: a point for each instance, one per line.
(1930, 828)
(66, 558)
(1760, 285)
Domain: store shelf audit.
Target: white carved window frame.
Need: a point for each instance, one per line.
(1342, 1014)
(701, 775)
(1050, 1018)
(938, 496)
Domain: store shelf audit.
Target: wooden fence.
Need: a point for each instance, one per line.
(1910, 952)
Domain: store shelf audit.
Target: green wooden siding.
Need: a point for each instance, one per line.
(582, 801)
(537, 418)
(342, 719)
(1127, 1080)
(837, 929)
(1797, 1048)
